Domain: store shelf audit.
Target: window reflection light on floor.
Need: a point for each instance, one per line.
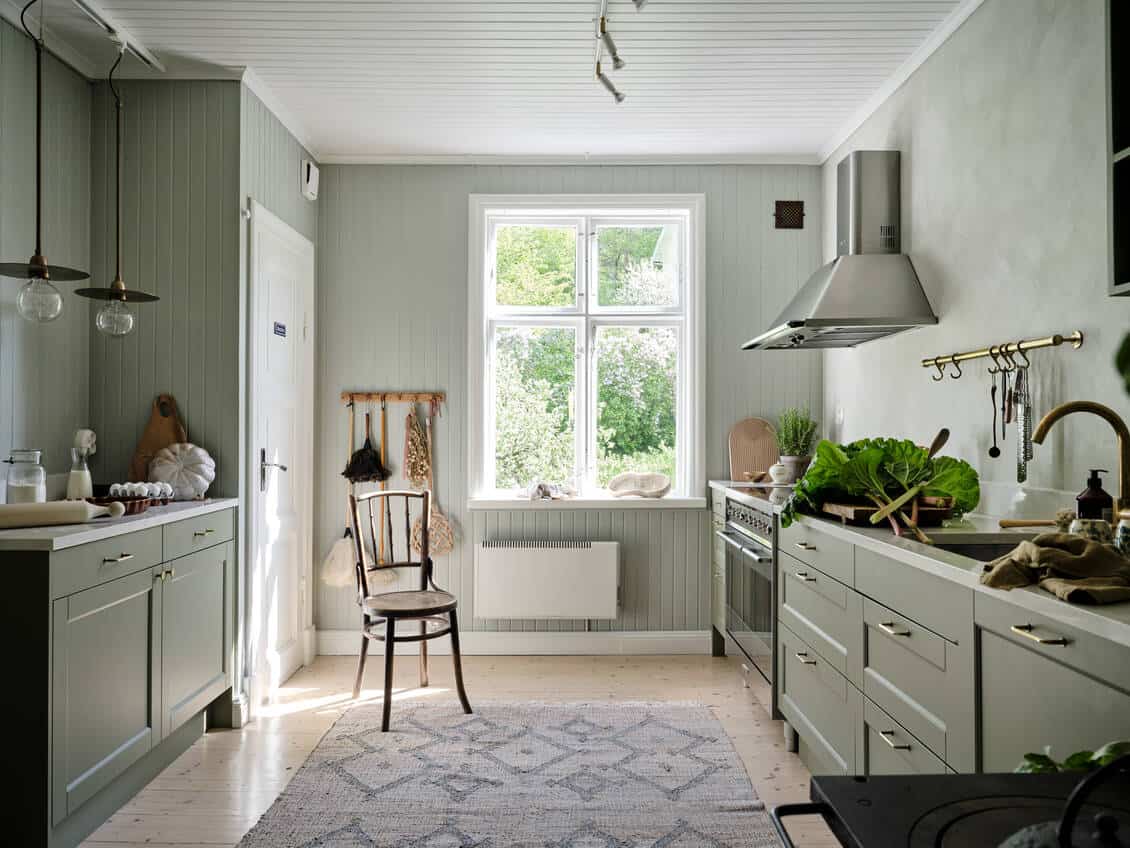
(291, 700)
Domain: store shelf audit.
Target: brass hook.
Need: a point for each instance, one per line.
(1012, 366)
(1027, 361)
(956, 367)
(996, 369)
(941, 372)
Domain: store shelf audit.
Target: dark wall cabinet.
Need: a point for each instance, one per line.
(137, 634)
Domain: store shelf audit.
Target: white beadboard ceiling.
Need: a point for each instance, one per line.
(414, 79)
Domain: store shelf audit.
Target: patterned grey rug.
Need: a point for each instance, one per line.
(520, 774)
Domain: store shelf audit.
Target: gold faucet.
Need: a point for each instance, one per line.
(1120, 429)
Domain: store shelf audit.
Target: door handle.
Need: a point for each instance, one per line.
(888, 627)
(888, 736)
(805, 546)
(1026, 630)
(804, 577)
(803, 657)
(206, 532)
(263, 466)
(119, 558)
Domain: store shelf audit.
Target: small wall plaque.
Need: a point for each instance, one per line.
(280, 329)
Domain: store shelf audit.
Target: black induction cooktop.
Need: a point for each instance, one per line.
(961, 811)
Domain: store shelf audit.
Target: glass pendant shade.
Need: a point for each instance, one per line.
(39, 301)
(114, 319)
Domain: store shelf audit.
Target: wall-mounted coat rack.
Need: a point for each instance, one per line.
(1002, 355)
(393, 397)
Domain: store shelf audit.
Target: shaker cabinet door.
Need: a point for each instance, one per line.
(105, 685)
(196, 633)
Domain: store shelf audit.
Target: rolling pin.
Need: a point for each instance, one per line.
(55, 512)
(1006, 523)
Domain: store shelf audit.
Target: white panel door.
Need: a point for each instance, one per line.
(280, 450)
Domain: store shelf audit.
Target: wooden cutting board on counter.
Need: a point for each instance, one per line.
(164, 429)
(753, 448)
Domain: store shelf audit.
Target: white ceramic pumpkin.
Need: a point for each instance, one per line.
(184, 466)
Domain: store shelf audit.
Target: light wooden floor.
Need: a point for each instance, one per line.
(218, 788)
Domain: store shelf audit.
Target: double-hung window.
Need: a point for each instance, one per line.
(585, 342)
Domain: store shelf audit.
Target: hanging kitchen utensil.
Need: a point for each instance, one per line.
(39, 300)
(115, 318)
(417, 453)
(994, 451)
(441, 535)
(338, 566)
(1020, 392)
(365, 465)
(164, 429)
(384, 486)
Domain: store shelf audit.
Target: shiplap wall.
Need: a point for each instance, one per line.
(392, 314)
(43, 367)
(180, 220)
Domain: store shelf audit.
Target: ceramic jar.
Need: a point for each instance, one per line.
(1094, 529)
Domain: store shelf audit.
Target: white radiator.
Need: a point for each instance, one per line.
(547, 579)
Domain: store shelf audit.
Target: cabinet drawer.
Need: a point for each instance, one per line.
(905, 672)
(818, 701)
(822, 611)
(84, 566)
(886, 747)
(1084, 651)
(194, 534)
(944, 607)
(812, 546)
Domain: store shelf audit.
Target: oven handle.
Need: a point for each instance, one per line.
(801, 809)
(752, 553)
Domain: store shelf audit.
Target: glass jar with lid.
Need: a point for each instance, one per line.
(27, 481)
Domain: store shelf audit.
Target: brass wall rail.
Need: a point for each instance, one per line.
(393, 397)
(1006, 350)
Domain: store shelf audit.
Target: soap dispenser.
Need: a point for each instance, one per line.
(1093, 502)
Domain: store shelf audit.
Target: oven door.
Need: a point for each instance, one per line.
(749, 599)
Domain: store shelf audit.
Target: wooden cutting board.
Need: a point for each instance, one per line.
(753, 447)
(164, 429)
(860, 514)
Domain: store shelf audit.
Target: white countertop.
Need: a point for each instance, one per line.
(60, 536)
(1109, 621)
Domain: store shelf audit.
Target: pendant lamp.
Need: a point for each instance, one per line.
(39, 300)
(115, 318)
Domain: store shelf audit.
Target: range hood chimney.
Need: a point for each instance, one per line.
(870, 290)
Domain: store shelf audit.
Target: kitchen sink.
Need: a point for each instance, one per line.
(981, 551)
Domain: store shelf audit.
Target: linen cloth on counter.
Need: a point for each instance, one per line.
(1074, 569)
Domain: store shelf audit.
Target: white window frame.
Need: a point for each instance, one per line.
(687, 315)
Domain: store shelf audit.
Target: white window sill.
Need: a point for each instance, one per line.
(504, 501)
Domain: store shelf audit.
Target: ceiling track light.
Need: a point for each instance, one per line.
(115, 318)
(607, 83)
(605, 43)
(639, 4)
(610, 45)
(39, 300)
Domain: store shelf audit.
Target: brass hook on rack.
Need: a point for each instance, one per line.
(996, 366)
(956, 367)
(1009, 361)
(941, 372)
(1027, 361)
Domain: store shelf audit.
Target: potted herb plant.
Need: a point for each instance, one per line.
(796, 435)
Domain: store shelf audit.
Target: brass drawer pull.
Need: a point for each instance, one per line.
(1026, 630)
(888, 627)
(803, 657)
(201, 533)
(805, 546)
(804, 577)
(888, 736)
(117, 559)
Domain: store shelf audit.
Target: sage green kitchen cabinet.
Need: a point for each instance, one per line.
(132, 636)
(1043, 683)
(718, 572)
(106, 656)
(886, 747)
(196, 633)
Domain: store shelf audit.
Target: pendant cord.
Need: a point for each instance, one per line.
(117, 167)
(38, 41)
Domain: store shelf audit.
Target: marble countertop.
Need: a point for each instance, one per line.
(60, 536)
(1110, 621)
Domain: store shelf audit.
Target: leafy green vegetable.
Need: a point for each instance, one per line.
(890, 473)
(1079, 761)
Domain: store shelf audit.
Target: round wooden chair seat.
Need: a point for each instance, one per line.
(406, 604)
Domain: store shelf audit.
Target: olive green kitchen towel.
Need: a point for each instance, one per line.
(1071, 567)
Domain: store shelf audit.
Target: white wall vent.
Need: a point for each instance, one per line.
(308, 180)
(550, 579)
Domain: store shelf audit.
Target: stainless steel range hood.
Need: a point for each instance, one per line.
(870, 290)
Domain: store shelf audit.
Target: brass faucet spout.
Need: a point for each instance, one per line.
(1120, 429)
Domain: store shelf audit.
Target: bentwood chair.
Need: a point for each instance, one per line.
(382, 614)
